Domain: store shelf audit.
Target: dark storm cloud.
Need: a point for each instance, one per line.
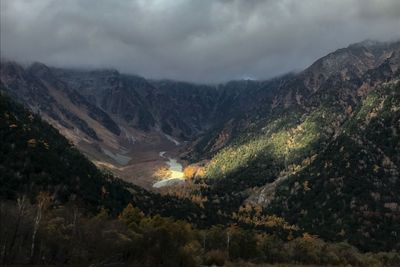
(197, 40)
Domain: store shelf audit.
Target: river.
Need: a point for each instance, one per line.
(176, 172)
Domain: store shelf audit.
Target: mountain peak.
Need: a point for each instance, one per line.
(39, 69)
(367, 43)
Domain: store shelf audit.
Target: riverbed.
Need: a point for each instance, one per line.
(176, 172)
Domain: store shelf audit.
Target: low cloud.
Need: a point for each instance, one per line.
(192, 40)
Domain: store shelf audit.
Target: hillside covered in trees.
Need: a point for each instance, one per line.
(58, 208)
(354, 179)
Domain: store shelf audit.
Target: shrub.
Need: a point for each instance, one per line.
(216, 257)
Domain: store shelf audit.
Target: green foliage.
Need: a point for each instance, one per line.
(352, 184)
(131, 216)
(260, 158)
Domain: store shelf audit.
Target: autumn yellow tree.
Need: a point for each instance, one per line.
(131, 216)
(43, 202)
(162, 173)
(190, 171)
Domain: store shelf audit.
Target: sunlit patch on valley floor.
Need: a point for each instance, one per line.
(173, 175)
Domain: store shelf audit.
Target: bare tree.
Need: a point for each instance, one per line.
(43, 202)
(21, 205)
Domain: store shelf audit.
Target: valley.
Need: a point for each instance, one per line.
(314, 152)
(225, 133)
(137, 163)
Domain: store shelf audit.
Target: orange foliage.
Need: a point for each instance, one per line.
(309, 238)
(32, 142)
(200, 172)
(189, 190)
(190, 171)
(162, 173)
(193, 171)
(252, 214)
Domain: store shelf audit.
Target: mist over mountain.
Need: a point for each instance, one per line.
(206, 41)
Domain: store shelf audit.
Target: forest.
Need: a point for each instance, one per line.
(41, 233)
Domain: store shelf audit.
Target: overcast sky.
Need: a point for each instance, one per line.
(193, 40)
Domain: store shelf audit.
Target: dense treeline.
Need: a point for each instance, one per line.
(43, 233)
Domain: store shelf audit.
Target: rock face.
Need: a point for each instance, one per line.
(109, 115)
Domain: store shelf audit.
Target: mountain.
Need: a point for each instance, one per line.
(282, 145)
(109, 116)
(287, 160)
(122, 122)
(338, 80)
(302, 116)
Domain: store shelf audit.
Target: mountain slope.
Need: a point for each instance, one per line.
(335, 83)
(35, 158)
(351, 189)
(272, 157)
(302, 116)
